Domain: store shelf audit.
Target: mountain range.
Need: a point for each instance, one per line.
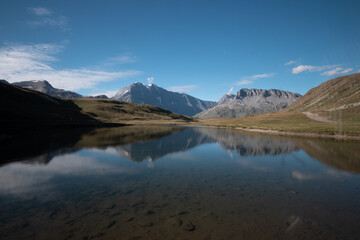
(325, 97)
(245, 102)
(333, 107)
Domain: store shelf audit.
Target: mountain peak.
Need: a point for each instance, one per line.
(152, 94)
(227, 97)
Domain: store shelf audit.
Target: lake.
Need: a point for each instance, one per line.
(164, 182)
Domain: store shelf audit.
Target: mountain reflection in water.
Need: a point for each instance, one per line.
(205, 183)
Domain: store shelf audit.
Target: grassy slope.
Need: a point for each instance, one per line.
(335, 99)
(337, 92)
(287, 122)
(115, 111)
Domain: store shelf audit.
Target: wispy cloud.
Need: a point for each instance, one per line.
(337, 71)
(310, 68)
(118, 60)
(45, 17)
(264, 75)
(250, 79)
(34, 62)
(184, 88)
(244, 82)
(231, 89)
(290, 62)
(150, 80)
(40, 11)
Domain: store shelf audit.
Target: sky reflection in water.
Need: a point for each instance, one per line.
(172, 182)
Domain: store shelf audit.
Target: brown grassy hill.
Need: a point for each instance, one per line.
(115, 111)
(338, 97)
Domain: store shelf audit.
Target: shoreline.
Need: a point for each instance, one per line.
(298, 134)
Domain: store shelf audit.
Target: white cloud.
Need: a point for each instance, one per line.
(250, 79)
(231, 89)
(108, 93)
(336, 71)
(290, 63)
(265, 75)
(184, 88)
(244, 82)
(310, 68)
(45, 17)
(22, 178)
(150, 80)
(346, 70)
(302, 68)
(40, 11)
(33, 62)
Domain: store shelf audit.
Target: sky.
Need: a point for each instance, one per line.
(202, 48)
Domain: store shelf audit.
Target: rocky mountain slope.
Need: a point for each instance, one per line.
(250, 101)
(45, 87)
(180, 103)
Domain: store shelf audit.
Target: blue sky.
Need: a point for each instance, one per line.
(203, 48)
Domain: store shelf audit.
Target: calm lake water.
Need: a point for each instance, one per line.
(178, 183)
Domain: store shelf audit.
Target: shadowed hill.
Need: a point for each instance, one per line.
(21, 108)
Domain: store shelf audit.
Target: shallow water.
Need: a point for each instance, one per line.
(179, 183)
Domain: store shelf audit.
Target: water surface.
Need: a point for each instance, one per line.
(178, 183)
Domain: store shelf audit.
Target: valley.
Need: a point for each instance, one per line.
(330, 110)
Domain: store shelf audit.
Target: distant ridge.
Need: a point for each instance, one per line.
(250, 101)
(44, 86)
(179, 103)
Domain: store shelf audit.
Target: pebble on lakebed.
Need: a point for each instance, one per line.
(189, 227)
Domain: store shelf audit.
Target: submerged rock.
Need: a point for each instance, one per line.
(189, 227)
